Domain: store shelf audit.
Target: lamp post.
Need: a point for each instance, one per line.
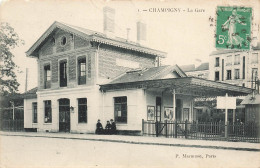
(12, 103)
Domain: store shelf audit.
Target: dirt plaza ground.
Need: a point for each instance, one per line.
(20, 151)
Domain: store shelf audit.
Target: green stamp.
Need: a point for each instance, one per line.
(233, 28)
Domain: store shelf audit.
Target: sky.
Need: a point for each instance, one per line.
(184, 36)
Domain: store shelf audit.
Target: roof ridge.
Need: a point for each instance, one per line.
(93, 36)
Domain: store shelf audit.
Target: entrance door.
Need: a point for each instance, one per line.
(158, 108)
(178, 109)
(64, 115)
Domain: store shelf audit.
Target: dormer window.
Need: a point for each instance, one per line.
(63, 41)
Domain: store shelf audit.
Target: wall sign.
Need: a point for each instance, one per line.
(168, 113)
(150, 113)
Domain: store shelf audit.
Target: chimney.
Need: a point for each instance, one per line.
(141, 32)
(109, 21)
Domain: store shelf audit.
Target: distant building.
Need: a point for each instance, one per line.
(202, 71)
(252, 103)
(235, 67)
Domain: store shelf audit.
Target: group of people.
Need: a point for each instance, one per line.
(109, 129)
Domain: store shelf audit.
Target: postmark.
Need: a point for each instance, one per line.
(233, 29)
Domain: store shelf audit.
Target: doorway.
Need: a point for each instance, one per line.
(179, 106)
(64, 115)
(158, 108)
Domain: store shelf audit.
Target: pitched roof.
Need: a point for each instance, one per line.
(187, 68)
(30, 93)
(148, 74)
(203, 66)
(92, 36)
(191, 67)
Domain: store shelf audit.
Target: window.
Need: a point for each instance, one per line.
(237, 59)
(82, 110)
(120, 109)
(254, 77)
(63, 41)
(254, 58)
(63, 73)
(47, 111)
(229, 76)
(254, 73)
(217, 62)
(47, 76)
(229, 60)
(82, 71)
(216, 75)
(237, 73)
(34, 108)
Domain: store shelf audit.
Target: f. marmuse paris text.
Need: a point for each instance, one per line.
(196, 156)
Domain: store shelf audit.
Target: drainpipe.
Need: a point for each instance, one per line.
(97, 62)
(174, 104)
(103, 110)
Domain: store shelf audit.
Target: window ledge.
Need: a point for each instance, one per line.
(121, 123)
(81, 85)
(47, 123)
(82, 123)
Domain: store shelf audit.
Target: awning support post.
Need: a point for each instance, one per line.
(174, 105)
(226, 118)
(234, 115)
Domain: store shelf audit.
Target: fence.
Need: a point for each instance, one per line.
(12, 125)
(247, 132)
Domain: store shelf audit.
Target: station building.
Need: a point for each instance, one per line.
(84, 76)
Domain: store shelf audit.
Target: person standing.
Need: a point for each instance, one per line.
(113, 127)
(99, 127)
(108, 128)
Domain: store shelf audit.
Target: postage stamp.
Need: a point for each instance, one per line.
(233, 29)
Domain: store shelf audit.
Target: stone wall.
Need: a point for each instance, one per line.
(53, 52)
(108, 67)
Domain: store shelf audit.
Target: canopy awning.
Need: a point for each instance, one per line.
(185, 85)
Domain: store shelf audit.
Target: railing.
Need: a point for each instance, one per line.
(12, 125)
(248, 132)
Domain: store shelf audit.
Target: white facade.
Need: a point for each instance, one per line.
(28, 113)
(100, 105)
(234, 67)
